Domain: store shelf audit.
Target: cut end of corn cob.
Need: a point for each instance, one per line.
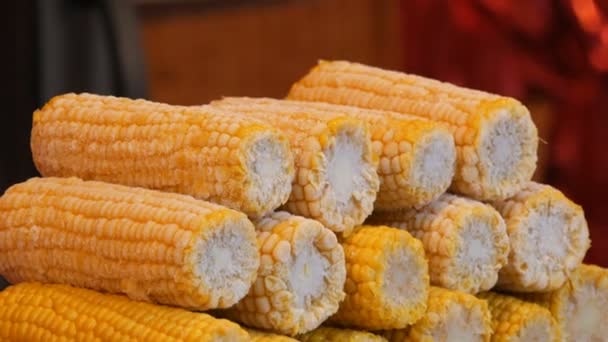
(36, 312)
(269, 172)
(152, 246)
(580, 306)
(451, 316)
(336, 180)
(549, 237)
(519, 321)
(465, 241)
(329, 334)
(387, 280)
(495, 137)
(417, 156)
(301, 277)
(203, 152)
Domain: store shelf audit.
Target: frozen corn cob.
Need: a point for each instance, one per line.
(37, 312)
(301, 276)
(329, 334)
(262, 336)
(387, 280)
(464, 240)
(152, 246)
(580, 306)
(549, 238)
(515, 320)
(203, 152)
(496, 140)
(336, 180)
(417, 156)
(451, 316)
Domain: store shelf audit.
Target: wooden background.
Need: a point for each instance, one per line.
(196, 54)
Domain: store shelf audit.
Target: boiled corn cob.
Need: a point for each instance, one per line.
(495, 137)
(301, 276)
(464, 240)
(36, 312)
(580, 306)
(549, 238)
(203, 152)
(152, 246)
(387, 281)
(417, 156)
(336, 180)
(329, 334)
(451, 316)
(262, 336)
(515, 320)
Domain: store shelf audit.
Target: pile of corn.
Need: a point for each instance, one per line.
(370, 205)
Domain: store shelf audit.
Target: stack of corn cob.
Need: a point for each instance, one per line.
(369, 205)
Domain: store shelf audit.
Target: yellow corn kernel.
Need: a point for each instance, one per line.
(515, 320)
(496, 140)
(36, 312)
(549, 238)
(300, 280)
(580, 306)
(417, 156)
(464, 240)
(152, 246)
(262, 336)
(203, 152)
(329, 334)
(451, 316)
(336, 180)
(387, 279)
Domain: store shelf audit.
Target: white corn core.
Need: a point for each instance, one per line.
(587, 314)
(307, 275)
(434, 162)
(403, 285)
(226, 261)
(351, 182)
(475, 258)
(542, 242)
(507, 150)
(268, 162)
(459, 325)
(536, 331)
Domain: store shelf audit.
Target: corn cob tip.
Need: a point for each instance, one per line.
(387, 279)
(519, 321)
(507, 145)
(549, 237)
(301, 277)
(450, 316)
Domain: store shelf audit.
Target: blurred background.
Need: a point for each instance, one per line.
(550, 54)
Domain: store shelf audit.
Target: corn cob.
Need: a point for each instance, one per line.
(336, 180)
(451, 316)
(548, 235)
(203, 152)
(496, 140)
(262, 336)
(152, 246)
(300, 280)
(464, 240)
(387, 281)
(580, 306)
(329, 334)
(417, 156)
(516, 320)
(36, 312)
